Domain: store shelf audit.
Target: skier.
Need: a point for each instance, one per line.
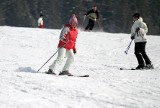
(67, 47)
(40, 21)
(138, 33)
(93, 15)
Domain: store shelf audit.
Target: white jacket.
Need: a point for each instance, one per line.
(40, 21)
(140, 36)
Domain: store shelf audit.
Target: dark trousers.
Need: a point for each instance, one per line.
(90, 25)
(140, 53)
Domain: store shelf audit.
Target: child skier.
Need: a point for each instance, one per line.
(67, 47)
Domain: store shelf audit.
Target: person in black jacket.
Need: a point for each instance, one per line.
(93, 15)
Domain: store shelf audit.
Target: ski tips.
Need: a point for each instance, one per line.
(125, 52)
(121, 68)
(127, 68)
(84, 76)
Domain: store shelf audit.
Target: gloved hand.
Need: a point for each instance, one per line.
(95, 20)
(137, 29)
(74, 51)
(132, 37)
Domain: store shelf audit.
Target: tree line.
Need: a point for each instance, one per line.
(115, 15)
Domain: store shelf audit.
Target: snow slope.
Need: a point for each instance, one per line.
(24, 50)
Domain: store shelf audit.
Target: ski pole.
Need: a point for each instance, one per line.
(83, 21)
(128, 47)
(100, 27)
(50, 58)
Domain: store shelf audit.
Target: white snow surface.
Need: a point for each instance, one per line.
(100, 55)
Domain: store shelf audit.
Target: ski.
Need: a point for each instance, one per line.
(128, 68)
(122, 68)
(69, 75)
(132, 69)
(77, 75)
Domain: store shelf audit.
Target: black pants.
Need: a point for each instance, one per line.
(90, 25)
(141, 53)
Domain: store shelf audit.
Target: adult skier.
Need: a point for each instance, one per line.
(93, 15)
(138, 33)
(40, 21)
(67, 47)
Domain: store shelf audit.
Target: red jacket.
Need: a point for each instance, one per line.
(69, 38)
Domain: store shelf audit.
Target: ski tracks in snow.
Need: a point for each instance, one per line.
(24, 50)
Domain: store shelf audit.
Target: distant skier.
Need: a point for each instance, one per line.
(138, 33)
(93, 15)
(67, 47)
(40, 21)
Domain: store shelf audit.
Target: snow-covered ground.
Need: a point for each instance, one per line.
(24, 50)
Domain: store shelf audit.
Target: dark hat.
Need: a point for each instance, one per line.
(94, 5)
(41, 15)
(136, 15)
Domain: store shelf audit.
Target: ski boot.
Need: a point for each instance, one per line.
(141, 66)
(50, 72)
(65, 73)
(149, 66)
